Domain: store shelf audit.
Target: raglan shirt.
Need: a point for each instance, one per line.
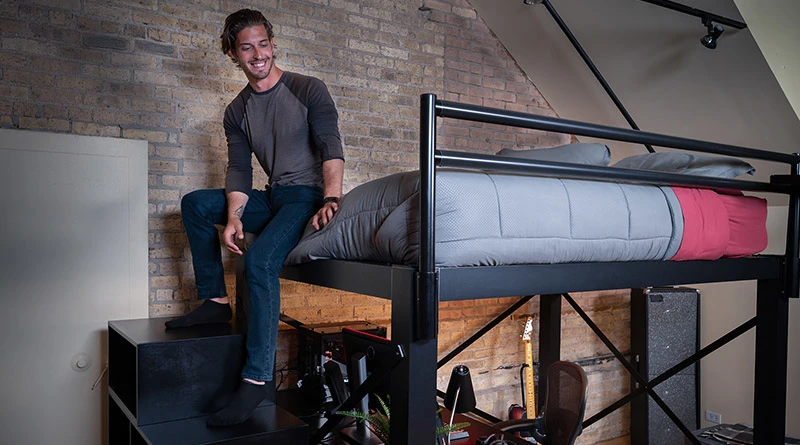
(292, 128)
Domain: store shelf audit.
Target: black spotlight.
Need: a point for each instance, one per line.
(714, 31)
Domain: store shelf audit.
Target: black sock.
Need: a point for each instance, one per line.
(244, 402)
(208, 312)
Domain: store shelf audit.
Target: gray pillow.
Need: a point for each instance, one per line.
(688, 164)
(580, 153)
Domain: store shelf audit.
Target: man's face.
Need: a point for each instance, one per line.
(254, 52)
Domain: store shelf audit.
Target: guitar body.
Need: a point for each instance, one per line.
(516, 411)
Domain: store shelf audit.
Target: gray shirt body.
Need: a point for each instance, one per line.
(291, 128)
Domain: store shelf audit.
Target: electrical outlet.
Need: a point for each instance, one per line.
(711, 416)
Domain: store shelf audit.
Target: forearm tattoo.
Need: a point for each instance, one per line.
(239, 212)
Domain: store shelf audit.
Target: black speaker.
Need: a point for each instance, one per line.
(665, 331)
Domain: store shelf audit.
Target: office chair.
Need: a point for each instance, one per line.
(565, 403)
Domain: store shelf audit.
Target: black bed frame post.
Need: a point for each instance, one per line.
(549, 340)
(772, 343)
(427, 306)
(772, 334)
(413, 381)
(415, 310)
(792, 265)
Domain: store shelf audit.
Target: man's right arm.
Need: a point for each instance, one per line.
(239, 175)
(233, 229)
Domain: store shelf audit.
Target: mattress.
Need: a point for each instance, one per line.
(489, 219)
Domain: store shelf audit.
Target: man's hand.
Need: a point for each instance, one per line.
(232, 233)
(324, 215)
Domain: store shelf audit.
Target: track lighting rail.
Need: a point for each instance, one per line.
(703, 15)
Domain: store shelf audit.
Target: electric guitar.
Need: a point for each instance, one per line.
(530, 394)
(529, 411)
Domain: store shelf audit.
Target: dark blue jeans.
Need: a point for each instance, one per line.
(279, 215)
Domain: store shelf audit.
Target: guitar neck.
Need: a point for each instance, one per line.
(530, 393)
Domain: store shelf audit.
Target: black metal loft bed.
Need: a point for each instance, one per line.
(416, 291)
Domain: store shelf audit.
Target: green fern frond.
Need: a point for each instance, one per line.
(445, 430)
(354, 414)
(379, 421)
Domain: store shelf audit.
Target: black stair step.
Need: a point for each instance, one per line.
(162, 375)
(268, 425)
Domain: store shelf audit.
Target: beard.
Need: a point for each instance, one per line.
(263, 73)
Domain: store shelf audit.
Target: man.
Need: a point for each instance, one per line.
(290, 122)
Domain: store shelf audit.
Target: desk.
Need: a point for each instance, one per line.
(478, 428)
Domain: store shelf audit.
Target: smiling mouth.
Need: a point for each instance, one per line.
(259, 64)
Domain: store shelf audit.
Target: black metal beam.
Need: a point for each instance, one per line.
(549, 340)
(635, 375)
(467, 283)
(413, 381)
(474, 337)
(772, 344)
(703, 15)
(792, 266)
(362, 278)
(580, 171)
(477, 113)
(592, 67)
(702, 353)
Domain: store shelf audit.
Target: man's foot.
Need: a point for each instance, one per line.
(208, 312)
(244, 402)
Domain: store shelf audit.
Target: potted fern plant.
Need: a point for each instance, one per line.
(378, 422)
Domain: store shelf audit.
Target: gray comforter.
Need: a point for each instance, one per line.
(497, 219)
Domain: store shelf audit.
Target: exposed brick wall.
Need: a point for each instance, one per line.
(151, 69)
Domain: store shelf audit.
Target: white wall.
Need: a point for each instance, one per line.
(73, 255)
(774, 25)
(727, 375)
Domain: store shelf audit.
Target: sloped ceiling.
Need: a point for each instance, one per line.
(653, 60)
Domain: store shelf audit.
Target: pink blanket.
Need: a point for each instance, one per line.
(720, 225)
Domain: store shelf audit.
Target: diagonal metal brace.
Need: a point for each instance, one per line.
(702, 353)
(624, 361)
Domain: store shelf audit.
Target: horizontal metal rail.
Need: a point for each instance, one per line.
(478, 113)
(445, 158)
(697, 13)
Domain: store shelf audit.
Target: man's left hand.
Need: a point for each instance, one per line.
(324, 215)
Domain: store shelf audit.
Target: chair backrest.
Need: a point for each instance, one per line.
(565, 403)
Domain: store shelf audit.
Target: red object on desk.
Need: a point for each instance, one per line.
(478, 428)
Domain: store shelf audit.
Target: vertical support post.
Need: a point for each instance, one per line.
(358, 363)
(413, 381)
(549, 340)
(772, 343)
(426, 309)
(792, 285)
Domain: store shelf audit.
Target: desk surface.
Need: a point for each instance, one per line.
(477, 429)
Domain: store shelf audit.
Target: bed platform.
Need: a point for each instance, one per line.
(415, 290)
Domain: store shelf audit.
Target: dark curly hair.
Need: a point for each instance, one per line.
(239, 20)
